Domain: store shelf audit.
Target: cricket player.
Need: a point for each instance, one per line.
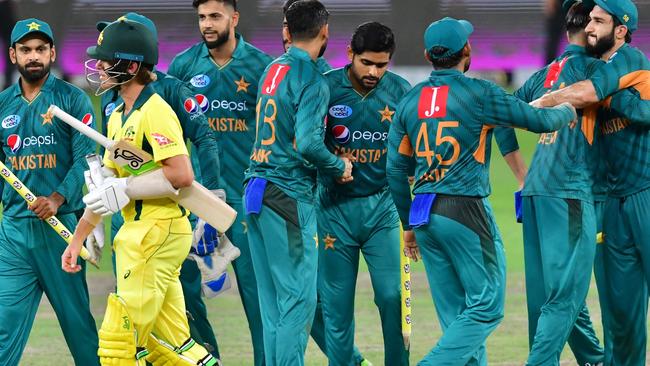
(360, 217)
(447, 122)
(146, 318)
(279, 194)
(224, 71)
(559, 252)
(321, 62)
(48, 157)
(205, 156)
(626, 249)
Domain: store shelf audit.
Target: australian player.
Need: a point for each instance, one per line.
(205, 160)
(225, 71)
(48, 156)
(279, 191)
(450, 215)
(146, 318)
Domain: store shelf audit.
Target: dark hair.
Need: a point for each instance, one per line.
(577, 18)
(233, 3)
(446, 62)
(374, 37)
(305, 18)
(628, 35)
(144, 75)
(287, 5)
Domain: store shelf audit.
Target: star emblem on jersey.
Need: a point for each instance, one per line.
(242, 85)
(386, 114)
(34, 26)
(329, 242)
(47, 118)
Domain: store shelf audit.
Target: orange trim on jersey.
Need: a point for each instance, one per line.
(639, 80)
(479, 154)
(405, 147)
(588, 124)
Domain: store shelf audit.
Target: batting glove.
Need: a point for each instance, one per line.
(108, 198)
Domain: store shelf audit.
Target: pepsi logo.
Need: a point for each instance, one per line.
(14, 142)
(203, 101)
(11, 121)
(110, 107)
(191, 106)
(200, 81)
(341, 134)
(87, 119)
(198, 104)
(340, 111)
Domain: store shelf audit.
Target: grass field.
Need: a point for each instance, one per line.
(508, 345)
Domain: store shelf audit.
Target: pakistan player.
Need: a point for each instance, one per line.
(447, 122)
(626, 251)
(321, 62)
(559, 253)
(146, 318)
(195, 127)
(360, 216)
(224, 72)
(279, 193)
(47, 156)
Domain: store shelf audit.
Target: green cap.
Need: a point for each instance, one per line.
(623, 10)
(29, 26)
(127, 40)
(449, 33)
(567, 4)
(136, 18)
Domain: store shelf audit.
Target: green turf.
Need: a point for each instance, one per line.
(507, 346)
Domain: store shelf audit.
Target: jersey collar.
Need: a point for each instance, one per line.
(239, 52)
(445, 72)
(300, 54)
(573, 48)
(144, 96)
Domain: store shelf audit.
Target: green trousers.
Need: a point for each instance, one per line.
(30, 265)
(283, 241)
(600, 272)
(559, 237)
(347, 227)
(465, 263)
(626, 258)
(318, 332)
(197, 315)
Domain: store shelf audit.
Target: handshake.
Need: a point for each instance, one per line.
(347, 173)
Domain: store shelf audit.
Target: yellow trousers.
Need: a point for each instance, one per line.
(148, 255)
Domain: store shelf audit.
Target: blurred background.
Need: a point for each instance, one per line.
(512, 37)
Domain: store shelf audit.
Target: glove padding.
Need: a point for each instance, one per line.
(214, 277)
(108, 198)
(95, 242)
(518, 206)
(205, 238)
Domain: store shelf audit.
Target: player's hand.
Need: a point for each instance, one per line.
(347, 173)
(69, 258)
(95, 242)
(205, 238)
(537, 103)
(108, 198)
(411, 249)
(570, 106)
(46, 207)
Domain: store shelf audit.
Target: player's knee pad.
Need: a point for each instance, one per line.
(189, 353)
(117, 337)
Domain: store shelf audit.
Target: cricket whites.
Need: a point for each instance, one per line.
(57, 225)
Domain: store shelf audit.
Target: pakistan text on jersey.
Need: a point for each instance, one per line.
(261, 155)
(547, 138)
(228, 124)
(435, 175)
(33, 161)
(613, 125)
(362, 155)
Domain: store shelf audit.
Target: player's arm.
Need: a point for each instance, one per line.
(399, 158)
(310, 130)
(176, 68)
(628, 103)
(503, 109)
(84, 227)
(509, 147)
(202, 137)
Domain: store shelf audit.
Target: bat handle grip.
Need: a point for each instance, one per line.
(95, 167)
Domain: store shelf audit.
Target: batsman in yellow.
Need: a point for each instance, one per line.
(146, 319)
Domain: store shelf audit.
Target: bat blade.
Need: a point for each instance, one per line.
(201, 202)
(136, 161)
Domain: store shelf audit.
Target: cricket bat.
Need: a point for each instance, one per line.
(405, 279)
(196, 198)
(54, 222)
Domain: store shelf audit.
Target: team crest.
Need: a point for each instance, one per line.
(162, 140)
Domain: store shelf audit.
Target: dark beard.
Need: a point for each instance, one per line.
(221, 39)
(602, 46)
(321, 52)
(33, 76)
(468, 64)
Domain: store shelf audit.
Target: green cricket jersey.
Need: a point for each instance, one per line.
(193, 122)
(447, 121)
(292, 107)
(46, 154)
(626, 145)
(322, 65)
(226, 95)
(358, 125)
(565, 163)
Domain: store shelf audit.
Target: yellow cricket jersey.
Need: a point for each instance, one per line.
(152, 126)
